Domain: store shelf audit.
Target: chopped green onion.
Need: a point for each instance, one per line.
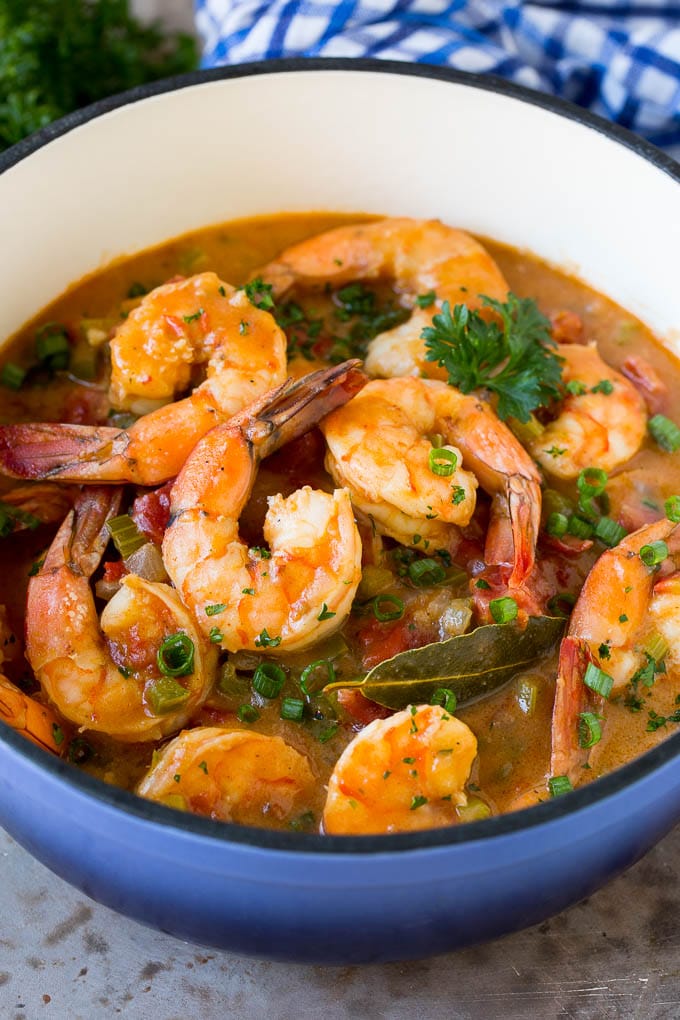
(215, 637)
(445, 697)
(322, 666)
(426, 572)
(175, 656)
(654, 553)
(504, 609)
(562, 603)
(328, 734)
(52, 347)
(12, 375)
(609, 532)
(137, 290)
(418, 802)
(165, 694)
(559, 785)
(590, 483)
(656, 647)
(664, 432)
(292, 708)
(672, 508)
(247, 713)
(265, 641)
(268, 680)
(425, 300)
(325, 613)
(126, 536)
(442, 461)
(598, 680)
(383, 614)
(557, 525)
(213, 610)
(589, 729)
(526, 431)
(79, 751)
(579, 528)
(484, 585)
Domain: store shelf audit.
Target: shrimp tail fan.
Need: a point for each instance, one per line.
(73, 453)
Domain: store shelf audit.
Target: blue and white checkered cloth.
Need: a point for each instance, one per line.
(618, 58)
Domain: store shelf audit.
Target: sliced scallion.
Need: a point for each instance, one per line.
(598, 680)
(442, 461)
(387, 607)
(562, 603)
(175, 656)
(559, 785)
(316, 676)
(672, 508)
(609, 532)
(664, 432)
(654, 553)
(423, 573)
(579, 528)
(247, 713)
(268, 680)
(656, 647)
(589, 729)
(445, 697)
(292, 708)
(504, 609)
(557, 524)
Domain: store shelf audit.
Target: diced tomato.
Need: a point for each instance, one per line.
(114, 570)
(379, 641)
(151, 512)
(361, 708)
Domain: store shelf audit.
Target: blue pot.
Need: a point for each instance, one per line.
(293, 896)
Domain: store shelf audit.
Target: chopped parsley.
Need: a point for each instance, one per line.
(514, 360)
(259, 293)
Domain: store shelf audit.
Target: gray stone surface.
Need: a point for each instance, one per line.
(617, 955)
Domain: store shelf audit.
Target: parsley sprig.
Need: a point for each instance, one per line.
(513, 359)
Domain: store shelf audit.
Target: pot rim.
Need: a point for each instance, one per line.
(579, 800)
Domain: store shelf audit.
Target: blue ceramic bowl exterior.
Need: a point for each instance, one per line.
(299, 897)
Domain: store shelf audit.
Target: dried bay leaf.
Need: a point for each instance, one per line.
(471, 665)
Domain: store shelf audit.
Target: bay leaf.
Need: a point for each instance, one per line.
(471, 665)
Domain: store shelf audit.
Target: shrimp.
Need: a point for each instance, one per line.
(23, 713)
(38, 723)
(231, 776)
(140, 672)
(602, 420)
(421, 256)
(400, 774)
(622, 604)
(176, 326)
(28, 506)
(380, 445)
(300, 591)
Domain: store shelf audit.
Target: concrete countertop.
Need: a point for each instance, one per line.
(614, 956)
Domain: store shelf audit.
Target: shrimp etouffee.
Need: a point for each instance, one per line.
(339, 524)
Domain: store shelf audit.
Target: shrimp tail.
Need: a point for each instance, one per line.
(74, 453)
(293, 408)
(513, 528)
(572, 698)
(83, 536)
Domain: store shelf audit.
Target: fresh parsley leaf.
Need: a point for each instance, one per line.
(513, 359)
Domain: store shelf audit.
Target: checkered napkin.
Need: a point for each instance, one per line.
(620, 59)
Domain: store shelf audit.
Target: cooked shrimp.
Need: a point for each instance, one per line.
(381, 446)
(421, 256)
(403, 773)
(231, 776)
(36, 722)
(622, 604)
(27, 506)
(194, 321)
(119, 675)
(23, 713)
(602, 422)
(301, 588)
